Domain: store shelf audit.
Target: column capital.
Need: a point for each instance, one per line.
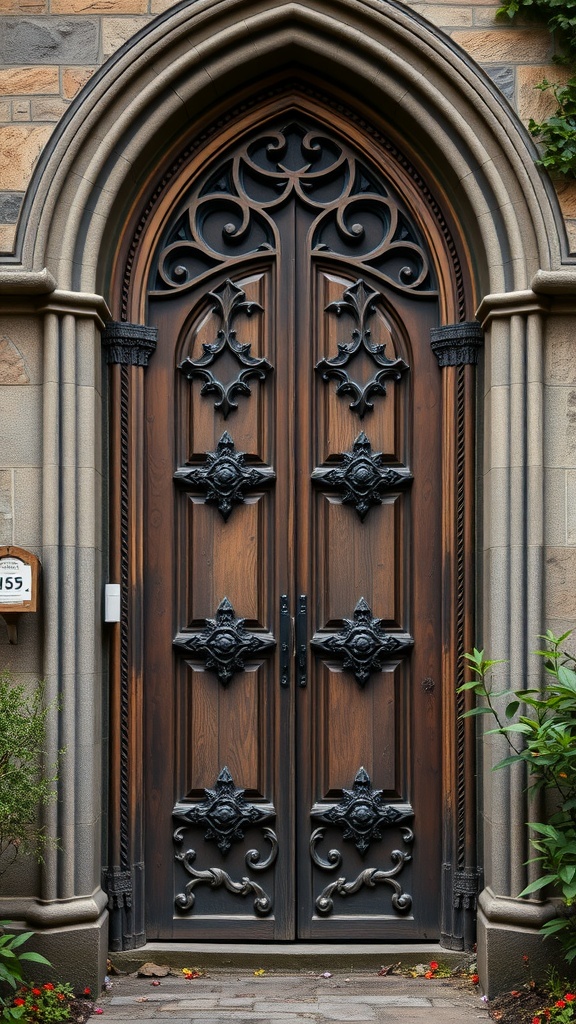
(129, 344)
(457, 344)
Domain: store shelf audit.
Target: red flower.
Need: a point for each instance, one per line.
(433, 965)
(475, 978)
(87, 991)
(429, 974)
(569, 997)
(19, 1002)
(560, 1004)
(36, 991)
(536, 1020)
(60, 996)
(49, 986)
(34, 1009)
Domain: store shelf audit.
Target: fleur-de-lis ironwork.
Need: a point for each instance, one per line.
(359, 302)
(230, 301)
(362, 477)
(362, 645)
(362, 813)
(225, 478)
(225, 645)
(226, 814)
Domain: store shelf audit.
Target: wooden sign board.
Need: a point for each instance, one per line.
(19, 572)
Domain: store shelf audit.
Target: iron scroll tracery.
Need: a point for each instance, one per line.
(354, 217)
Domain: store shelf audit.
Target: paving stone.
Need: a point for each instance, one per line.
(57, 41)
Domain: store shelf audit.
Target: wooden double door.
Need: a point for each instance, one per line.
(292, 547)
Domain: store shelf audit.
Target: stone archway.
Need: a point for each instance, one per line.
(123, 130)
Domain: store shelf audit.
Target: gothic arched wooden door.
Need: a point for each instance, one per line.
(292, 541)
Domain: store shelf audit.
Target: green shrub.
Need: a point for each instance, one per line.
(540, 727)
(26, 783)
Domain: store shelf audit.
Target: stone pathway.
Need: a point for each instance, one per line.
(242, 998)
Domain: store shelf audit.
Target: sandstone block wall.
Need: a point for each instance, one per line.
(50, 48)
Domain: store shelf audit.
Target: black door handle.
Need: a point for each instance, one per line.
(302, 640)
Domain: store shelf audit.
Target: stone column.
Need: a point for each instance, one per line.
(512, 481)
(69, 913)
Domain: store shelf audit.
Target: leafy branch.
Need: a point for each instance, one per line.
(557, 133)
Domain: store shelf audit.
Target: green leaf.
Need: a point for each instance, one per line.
(538, 884)
(512, 708)
(36, 958)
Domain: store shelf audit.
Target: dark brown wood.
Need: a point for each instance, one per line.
(293, 262)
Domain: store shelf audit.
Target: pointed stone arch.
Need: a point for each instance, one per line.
(116, 140)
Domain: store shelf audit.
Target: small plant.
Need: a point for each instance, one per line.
(12, 967)
(25, 784)
(562, 1011)
(44, 1004)
(540, 727)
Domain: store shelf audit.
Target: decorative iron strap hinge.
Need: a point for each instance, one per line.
(465, 889)
(119, 888)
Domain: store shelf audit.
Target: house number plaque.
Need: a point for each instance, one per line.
(19, 571)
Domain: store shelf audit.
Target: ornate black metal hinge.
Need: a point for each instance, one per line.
(359, 302)
(225, 645)
(225, 478)
(230, 301)
(363, 477)
(362, 645)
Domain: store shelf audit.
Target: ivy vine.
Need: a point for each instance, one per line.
(557, 133)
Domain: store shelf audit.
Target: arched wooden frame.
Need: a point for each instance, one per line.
(129, 346)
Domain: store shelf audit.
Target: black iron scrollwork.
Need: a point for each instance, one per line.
(362, 813)
(362, 477)
(230, 300)
(226, 814)
(225, 478)
(359, 302)
(401, 901)
(225, 645)
(216, 877)
(354, 214)
(362, 645)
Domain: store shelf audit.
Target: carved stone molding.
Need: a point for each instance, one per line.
(362, 645)
(225, 645)
(361, 813)
(118, 885)
(225, 478)
(129, 344)
(226, 814)
(362, 477)
(457, 344)
(465, 889)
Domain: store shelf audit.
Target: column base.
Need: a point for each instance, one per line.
(508, 930)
